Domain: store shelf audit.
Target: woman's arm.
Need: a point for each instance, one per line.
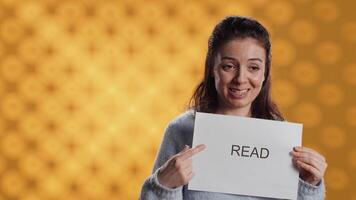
(153, 190)
(171, 145)
(307, 191)
(312, 166)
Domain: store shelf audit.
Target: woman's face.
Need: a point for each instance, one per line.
(239, 73)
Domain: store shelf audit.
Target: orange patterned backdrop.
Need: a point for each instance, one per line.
(87, 87)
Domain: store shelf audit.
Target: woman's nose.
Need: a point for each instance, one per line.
(241, 75)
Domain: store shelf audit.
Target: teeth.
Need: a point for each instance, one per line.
(245, 90)
(239, 92)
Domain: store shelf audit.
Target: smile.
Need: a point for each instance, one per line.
(238, 93)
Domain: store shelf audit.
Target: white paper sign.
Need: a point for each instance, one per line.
(245, 156)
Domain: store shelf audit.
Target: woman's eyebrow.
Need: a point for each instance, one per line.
(257, 59)
(228, 58)
(250, 59)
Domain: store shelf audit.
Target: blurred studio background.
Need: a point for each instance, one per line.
(87, 87)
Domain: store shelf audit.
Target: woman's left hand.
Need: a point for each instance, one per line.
(311, 164)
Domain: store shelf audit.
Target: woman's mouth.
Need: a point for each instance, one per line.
(238, 93)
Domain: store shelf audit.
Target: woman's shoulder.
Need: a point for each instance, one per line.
(183, 120)
(183, 124)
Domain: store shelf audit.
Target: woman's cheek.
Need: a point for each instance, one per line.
(257, 80)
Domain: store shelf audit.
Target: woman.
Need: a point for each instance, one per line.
(236, 82)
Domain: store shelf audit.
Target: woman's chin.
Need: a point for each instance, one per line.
(238, 104)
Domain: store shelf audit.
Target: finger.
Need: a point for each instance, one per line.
(186, 177)
(190, 176)
(307, 154)
(176, 158)
(309, 168)
(294, 161)
(188, 161)
(188, 169)
(180, 162)
(311, 161)
(191, 152)
(312, 151)
(186, 147)
(185, 163)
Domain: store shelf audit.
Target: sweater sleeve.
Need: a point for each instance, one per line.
(307, 191)
(170, 145)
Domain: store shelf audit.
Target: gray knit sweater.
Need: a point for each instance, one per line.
(178, 133)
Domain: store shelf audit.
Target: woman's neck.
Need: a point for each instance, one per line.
(243, 112)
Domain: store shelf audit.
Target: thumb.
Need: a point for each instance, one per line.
(186, 147)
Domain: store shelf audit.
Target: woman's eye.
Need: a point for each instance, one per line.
(254, 68)
(228, 67)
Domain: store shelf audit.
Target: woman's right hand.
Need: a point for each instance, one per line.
(178, 170)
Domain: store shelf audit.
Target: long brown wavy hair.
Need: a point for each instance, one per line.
(205, 97)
